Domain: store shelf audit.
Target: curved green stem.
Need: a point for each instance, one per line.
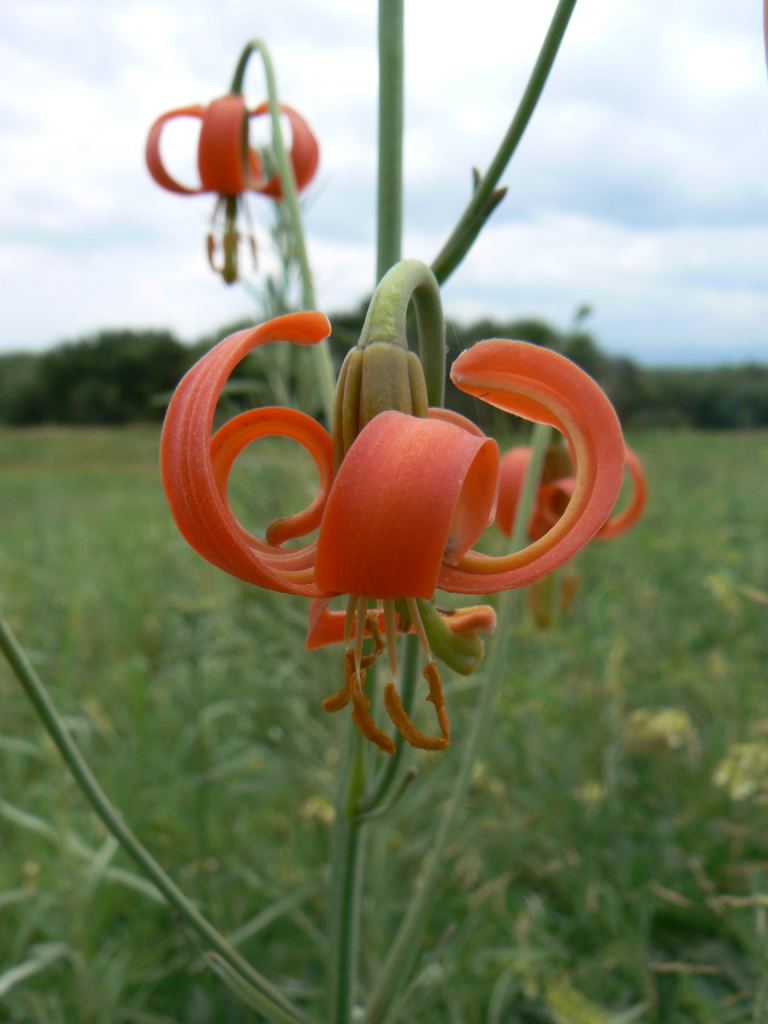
(404, 948)
(484, 200)
(410, 281)
(273, 1004)
(326, 376)
(389, 230)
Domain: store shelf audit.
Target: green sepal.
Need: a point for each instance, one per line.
(462, 652)
(379, 377)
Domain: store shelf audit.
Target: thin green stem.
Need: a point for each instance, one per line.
(273, 1003)
(393, 801)
(389, 230)
(386, 320)
(484, 200)
(404, 948)
(326, 376)
(346, 881)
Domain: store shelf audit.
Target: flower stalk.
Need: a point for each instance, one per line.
(410, 281)
(322, 355)
(389, 230)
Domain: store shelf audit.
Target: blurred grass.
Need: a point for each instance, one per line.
(613, 861)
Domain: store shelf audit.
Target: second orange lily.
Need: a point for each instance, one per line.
(230, 167)
(556, 491)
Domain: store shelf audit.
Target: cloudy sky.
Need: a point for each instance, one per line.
(641, 186)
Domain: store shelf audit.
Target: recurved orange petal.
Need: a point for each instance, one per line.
(221, 154)
(554, 497)
(545, 387)
(154, 159)
(250, 426)
(195, 478)
(627, 518)
(410, 494)
(326, 627)
(304, 155)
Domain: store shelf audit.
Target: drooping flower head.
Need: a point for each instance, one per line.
(405, 492)
(557, 486)
(552, 499)
(230, 167)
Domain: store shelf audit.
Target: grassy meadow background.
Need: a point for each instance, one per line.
(612, 865)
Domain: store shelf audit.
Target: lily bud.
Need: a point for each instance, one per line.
(376, 377)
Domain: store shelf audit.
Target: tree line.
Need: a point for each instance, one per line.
(126, 376)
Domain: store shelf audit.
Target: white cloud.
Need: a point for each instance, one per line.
(639, 186)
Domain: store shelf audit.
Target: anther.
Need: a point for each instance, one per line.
(436, 697)
(362, 718)
(398, 714)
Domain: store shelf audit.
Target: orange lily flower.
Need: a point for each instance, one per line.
(398, 517)
(230, 167)
(556, 492)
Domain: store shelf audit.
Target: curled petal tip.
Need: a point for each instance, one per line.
(545, 387)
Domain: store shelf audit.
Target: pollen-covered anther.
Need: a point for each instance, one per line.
(361, 715)
(392, 701)
(344, 696)
(372, 625)
(432, 674)
(408, 730)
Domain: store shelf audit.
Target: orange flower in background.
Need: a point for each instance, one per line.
(554, 496)
(230, 167)
(227, 164)
(398, 518)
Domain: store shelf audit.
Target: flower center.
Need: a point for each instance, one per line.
(361, 619)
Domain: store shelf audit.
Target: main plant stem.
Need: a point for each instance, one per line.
(389, 210)
(347, 858)
(272, 1003)
(326, 376)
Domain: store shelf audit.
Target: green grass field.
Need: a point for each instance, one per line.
(612, 865)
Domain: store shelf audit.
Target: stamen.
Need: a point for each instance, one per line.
(372, 624)
(392, 701)
(418, 625)
(250, 233)
(397, 713)
(432, 675)
(362, 718)
(344, 696)
(390, 635)
(349, 619)
(210, 248)
(362, 611)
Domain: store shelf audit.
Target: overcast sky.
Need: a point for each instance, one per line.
(641, 186)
